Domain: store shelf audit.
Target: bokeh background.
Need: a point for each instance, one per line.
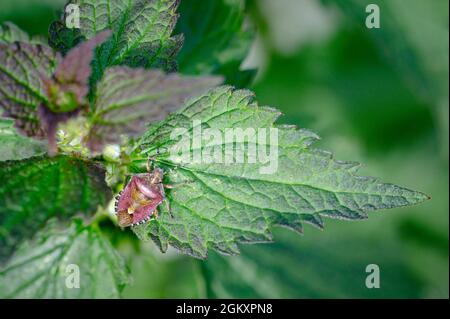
(377, 96)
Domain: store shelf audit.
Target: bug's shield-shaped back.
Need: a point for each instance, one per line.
(138, 201)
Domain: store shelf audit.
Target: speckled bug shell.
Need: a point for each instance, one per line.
(138, 201)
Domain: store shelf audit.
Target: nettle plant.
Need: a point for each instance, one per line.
(89, 116)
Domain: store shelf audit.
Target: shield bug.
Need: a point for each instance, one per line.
(137, 203)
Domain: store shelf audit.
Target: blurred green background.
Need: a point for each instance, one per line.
(377, 96)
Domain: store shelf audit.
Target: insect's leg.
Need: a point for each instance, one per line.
(151, 159)
(149, 163)
(176, 185)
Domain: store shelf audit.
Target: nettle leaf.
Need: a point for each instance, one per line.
(68, 88)
(21, 89)
(220, 204)
(10, 33)
(14, 146)
(36, 189)
(141, 32)
(63, 39)
(216, 39)
(128, 99)
(47, 267)
(34, 76)
(72, 74)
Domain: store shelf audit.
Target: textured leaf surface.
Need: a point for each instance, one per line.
(226, 204)
(128, 99)
(10, 33)
(63, 39)
(41, 269)
(36, 189)
(141, 32)
(216, 39)
(75, 67)
(21, 88)
(14, 146)
(69, 85)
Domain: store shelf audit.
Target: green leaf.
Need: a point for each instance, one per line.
(69, 84)
(141, 32)
(36, 189)
(316, 266)
(128, 99)
(63, 39)
(216, 39)
(21, 88)
(222, 204)
(44, 268)
(10, 33)
(14, 146)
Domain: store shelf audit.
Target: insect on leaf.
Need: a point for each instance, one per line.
(239, 197)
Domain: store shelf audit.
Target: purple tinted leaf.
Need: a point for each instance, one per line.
(128, 99)
(69, 86)
(76, 65)
(21, 89)
(142, 33)
(50, 122)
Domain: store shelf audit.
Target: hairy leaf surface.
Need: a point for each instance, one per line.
(48, 266)
(69, 85)
(14, 146)
(128, 99)
(63, 39)
(21, 89)
(36, 189)
(222, 204)
(141, 32)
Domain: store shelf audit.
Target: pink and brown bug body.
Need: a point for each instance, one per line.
(140, 198)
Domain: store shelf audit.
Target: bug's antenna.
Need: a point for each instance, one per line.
(151, 159)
